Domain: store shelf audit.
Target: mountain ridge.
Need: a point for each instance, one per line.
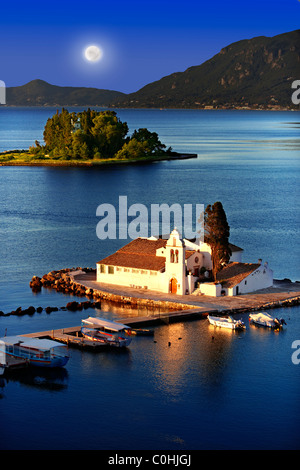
(41, 93)
(255, 72)
(252, 73)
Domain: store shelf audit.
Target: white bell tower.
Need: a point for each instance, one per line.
(175, 273)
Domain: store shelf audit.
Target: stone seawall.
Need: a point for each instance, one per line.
(291, 302)
(63, 281)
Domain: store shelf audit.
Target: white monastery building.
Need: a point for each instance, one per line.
(180, 266)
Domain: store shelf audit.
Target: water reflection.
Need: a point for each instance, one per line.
(106, 358)
(119, 310)
(188, 354)
(54, 379)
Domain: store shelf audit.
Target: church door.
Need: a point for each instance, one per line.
(173, 285)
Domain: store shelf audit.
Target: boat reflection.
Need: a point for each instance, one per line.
(103, 359)
(54, 380)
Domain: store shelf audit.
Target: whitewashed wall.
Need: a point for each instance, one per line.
(130, 277)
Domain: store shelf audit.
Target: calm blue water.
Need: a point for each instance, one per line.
(240, 391)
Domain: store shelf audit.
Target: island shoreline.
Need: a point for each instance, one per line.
(98, 163)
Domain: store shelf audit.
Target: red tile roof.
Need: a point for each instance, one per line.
(139, 253)
(143, 246)
(133, 260)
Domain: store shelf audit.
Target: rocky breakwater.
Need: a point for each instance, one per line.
(62, 281)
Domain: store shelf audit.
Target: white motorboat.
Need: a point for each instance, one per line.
(106, 332)
(226, 322)
(265, 319)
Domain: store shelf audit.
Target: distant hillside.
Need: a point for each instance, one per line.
(254, 73)
(250, 73)
(41, 93)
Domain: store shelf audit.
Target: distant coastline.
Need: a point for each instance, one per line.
(230, 107)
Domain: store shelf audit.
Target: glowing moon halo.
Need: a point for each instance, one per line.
(93, 53)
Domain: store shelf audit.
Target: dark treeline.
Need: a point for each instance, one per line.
(95, 135)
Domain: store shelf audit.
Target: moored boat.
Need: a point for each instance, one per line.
(107, 332)
(142, 332)
(18, 350)
(226, 322)
(265, 319)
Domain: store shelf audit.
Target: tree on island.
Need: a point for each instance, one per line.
(151, 139)
(95, 135)
(216, 235)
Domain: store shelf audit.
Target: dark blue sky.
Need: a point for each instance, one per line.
(142, 40)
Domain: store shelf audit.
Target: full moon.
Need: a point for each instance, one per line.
(93, 53)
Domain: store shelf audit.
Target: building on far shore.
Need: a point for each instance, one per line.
(180, 266)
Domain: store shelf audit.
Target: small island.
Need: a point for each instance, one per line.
(91, 138)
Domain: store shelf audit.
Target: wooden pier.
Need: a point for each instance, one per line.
(70, 336)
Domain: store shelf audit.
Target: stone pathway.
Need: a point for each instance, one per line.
(280, 291)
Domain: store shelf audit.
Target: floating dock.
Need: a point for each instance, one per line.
(70, 336)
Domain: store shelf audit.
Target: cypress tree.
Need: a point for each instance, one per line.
(217, 233)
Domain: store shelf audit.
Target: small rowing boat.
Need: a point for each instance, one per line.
(142, 332)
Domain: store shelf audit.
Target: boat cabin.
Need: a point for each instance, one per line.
(33, 351)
